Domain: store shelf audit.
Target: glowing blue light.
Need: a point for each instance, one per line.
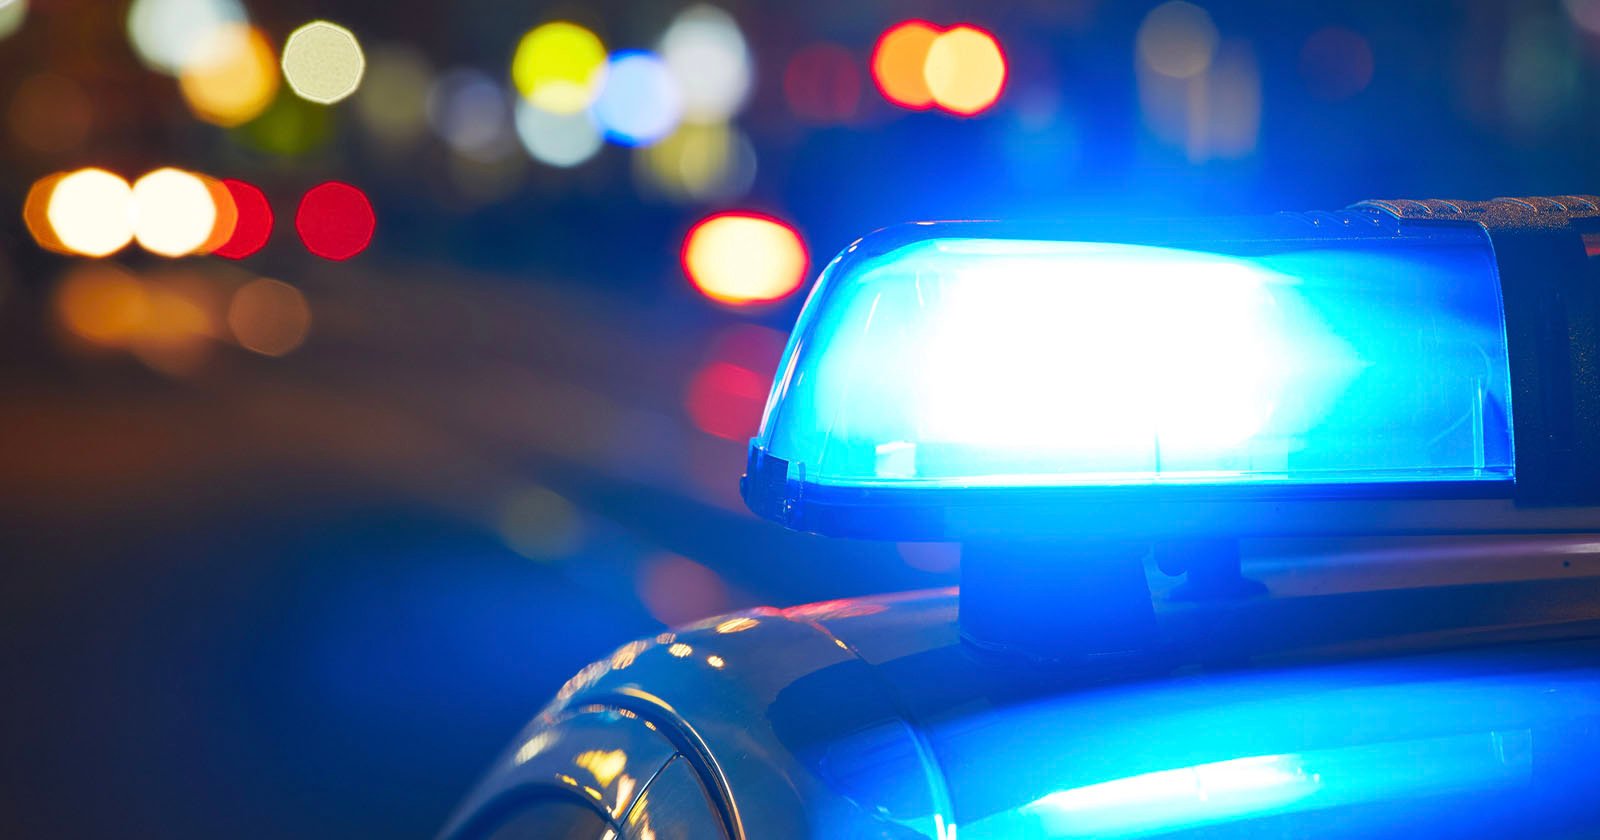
(954, 361)
(640, 103)
(1258, 786)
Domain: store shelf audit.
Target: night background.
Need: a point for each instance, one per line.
(302, 519)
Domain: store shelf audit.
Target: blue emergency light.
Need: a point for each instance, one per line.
(1399, 367)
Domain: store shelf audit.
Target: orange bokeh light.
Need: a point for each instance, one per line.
(103, 304)
(269, 316)
(965, 70)
(744, 258)
(899, 60)
(35, 210)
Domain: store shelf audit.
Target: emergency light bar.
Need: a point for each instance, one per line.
(1399, 367)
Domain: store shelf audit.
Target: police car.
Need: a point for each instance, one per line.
(1270, 527)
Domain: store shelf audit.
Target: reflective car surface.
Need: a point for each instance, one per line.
(1364, 698)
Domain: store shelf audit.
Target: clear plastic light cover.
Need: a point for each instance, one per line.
(961, 355)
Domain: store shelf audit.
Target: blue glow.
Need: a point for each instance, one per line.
(1478, 744)
(640, 103)
(1258, 786)
(958, 361)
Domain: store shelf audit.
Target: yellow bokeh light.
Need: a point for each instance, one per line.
(393, 100)
(232, 77)
(269, 316)
(539, 523)
(91, 212)
(559, 67)
(323, 62)
(739, 258)
(12, 15)
(102, 303)
(698, 161)
(174, 213)
(1177, 39)
(965, 70)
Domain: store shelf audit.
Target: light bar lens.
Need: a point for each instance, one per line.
(949, 361)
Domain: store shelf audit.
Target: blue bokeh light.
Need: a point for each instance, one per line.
(640, 103)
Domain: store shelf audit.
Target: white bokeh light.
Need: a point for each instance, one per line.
(472, 114)
(707, 56)
(168, 33)
(563, 140)
(173, 212)
(91, 212)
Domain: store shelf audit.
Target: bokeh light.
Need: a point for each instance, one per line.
(725, 400)
(232, 77)
(102, 303)
(899, 61)
(36, 213)
(1541, 79)
(1177, 39)
(744, 258)
(253, 226)
(91, 212)
(559, 67)
(50, 114)
(727, 393)
(965, 70)
(677, 590)
(935, 558)
(556, 139)
(539, 523)
(822, 83)
(1584, 13)
(167, 34)
(639, 103)
(335, 221)
(323, 62)
(269, 317)
(707, 56)
(1336, 63)
(13, 13)
(392, 101)
(173, 212)
(181, 320)
(227, 221)
(289, 127)
(698, 162)
(472, 114)
(487, 179)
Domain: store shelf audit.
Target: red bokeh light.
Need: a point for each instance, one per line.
(254, 227)
(1336, 63)
(822, 83)
(335, 221)
(726, 400)
(677, 590)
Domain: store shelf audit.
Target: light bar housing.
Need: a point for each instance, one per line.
(1398, 367)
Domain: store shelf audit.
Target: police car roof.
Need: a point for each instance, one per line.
(1362, 697)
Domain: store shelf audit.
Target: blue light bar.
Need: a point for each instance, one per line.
(963, 356)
